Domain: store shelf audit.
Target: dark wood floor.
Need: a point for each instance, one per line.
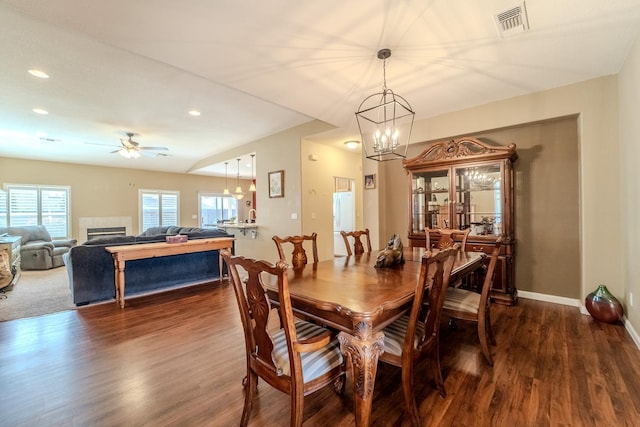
(177, 359)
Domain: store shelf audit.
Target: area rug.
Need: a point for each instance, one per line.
(37, 292)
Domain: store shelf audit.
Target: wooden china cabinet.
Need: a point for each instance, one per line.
(465, 183)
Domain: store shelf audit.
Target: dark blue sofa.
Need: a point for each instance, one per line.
(92, 276)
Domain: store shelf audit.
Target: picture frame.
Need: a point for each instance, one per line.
(370, 182)
(276, 184)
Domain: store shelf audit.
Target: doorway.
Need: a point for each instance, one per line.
(344, 212)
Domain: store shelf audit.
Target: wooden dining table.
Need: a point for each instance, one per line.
(354, 297)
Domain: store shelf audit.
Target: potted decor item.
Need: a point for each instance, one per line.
(603, 306)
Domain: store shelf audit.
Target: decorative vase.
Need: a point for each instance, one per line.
(603, 306)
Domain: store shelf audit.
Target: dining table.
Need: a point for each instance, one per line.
(352, 296)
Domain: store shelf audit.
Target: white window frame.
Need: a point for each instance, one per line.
(161, 221)
(40, 215)
(217, 195)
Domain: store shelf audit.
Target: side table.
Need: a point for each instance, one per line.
(11, 244)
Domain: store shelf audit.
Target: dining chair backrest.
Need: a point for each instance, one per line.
(447, 237)
(416, 336)
(297, 359)
(299, 255)
(465, 304)
(429, 320)
(358, 246)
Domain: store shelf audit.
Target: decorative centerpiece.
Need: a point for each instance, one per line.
(603, 306)
(392, 253)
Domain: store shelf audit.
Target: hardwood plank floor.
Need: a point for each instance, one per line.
(177, 359)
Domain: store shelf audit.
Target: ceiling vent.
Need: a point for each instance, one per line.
(512, 21)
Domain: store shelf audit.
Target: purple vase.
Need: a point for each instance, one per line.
(603, 306)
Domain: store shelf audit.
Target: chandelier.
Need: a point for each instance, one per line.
(252, 187)
(226, 180)
(385, 120)
(238, 194)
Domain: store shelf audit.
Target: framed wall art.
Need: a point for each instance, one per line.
(369, 182)
(276, 184)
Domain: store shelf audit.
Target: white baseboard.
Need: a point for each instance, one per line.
(577, 303)
(632, 332)
(550, 298)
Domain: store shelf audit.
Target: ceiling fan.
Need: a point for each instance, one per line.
(131, 149)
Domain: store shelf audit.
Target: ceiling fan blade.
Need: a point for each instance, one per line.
(152, 153)
(154, 148)
(102, 145)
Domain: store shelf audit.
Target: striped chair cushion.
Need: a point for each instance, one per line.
(461, 300)
(314, 363)
(395, 332)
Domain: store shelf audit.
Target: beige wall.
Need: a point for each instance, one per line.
(596, 104)
(629, 90)
(110, 192)
(318, 185)
(606, 151)
(546, 203)
(281, 151)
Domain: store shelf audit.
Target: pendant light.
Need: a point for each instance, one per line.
(252, 187)
(238, 194)
(226, 179)
(385, 120)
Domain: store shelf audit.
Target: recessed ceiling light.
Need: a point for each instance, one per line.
(40, 111)
(195, 113)
(38, 73)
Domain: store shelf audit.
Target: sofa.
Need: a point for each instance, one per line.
(38, 251)
(92, 275)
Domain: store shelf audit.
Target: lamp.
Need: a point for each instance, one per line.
(352, 145)
(252, 187)
(129, 153)
(385, 120)
(238, 194)
(226, 180)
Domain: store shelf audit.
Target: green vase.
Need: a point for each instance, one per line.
(603, 306)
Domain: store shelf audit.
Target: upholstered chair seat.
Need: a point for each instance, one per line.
(314, 364)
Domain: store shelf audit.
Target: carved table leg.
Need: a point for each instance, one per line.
(119, 282)
(362, 353)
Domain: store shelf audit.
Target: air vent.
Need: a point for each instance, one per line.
(512, 21)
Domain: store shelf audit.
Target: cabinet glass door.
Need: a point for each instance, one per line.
(430, 200)
(479, 199)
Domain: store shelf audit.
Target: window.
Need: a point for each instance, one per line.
(37, 205)
(216, 207)
(158, 208)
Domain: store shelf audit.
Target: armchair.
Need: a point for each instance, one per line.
(38, 251)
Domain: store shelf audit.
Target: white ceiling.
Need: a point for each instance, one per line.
(254, 68)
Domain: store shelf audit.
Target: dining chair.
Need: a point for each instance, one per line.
(447, 237)
(358, 247)
(297, 359)
(469, 305)
(299, 255)
(416, 335)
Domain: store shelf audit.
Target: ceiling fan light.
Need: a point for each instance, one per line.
(129, 153)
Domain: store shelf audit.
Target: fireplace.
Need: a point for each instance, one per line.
(95, 233)
(104, 226)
